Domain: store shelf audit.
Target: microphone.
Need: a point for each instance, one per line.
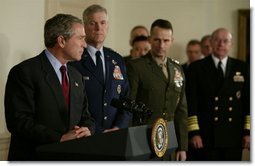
(125, 104)
(131, 106)
(140, 112)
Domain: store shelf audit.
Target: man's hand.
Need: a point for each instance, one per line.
(112, 129)
(77, 132)
(196, 142)
(181, 156)
(246, 142)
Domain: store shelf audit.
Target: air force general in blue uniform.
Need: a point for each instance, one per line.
(100, 93)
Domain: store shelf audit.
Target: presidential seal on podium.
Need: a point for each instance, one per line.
(159, 137)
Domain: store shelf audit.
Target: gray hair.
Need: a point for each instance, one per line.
(59, 25)
(221, 29)
(91, 10)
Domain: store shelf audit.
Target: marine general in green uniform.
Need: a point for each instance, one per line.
(158, 82)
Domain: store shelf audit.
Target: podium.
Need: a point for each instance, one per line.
(133, 143)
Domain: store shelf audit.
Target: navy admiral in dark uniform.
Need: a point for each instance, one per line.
(104, 73)
(218, 96)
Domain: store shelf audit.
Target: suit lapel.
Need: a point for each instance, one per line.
(227, 77)
(54, 84)
(171, 71)
(74, 90)
(108, 66)
(210, 74)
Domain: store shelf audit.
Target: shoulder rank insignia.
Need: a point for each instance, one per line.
(175, 61)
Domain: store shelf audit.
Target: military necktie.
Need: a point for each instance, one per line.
(99, 66)
(164, 70)
(220, 75)
(65, 86)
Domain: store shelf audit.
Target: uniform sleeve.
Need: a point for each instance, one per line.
(133, 79)
(180, 121)
(20, 109)
(246, 101)
(123, 117)
(86, 119)
(191, 92)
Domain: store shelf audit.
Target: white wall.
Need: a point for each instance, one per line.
(21, 37)
(190, 19)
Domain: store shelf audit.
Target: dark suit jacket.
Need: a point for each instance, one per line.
(127, 58)
(166, 98)
(185, 68)
(35, 109)
(220, 117)
(100, 94)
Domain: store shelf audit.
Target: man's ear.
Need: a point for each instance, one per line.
(61, 41)
(172, 39)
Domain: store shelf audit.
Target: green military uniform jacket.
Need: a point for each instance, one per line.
(165, 97)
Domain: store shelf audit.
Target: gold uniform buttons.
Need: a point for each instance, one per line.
(216, 119)
(230, 119)
(216, 98)
(230, 108)
(164, 113)
(230, 98)
(216, 108)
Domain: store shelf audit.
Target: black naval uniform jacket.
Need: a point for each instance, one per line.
(220, 117)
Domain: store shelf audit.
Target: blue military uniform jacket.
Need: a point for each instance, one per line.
(221, 117)
(100, 93)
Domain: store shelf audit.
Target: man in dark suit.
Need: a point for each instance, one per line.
(193, 52)
(158, 82)
(206, 47)
(38, 109)
(104, 73)
(218, 95)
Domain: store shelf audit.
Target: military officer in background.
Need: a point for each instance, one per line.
(104, 73)
(158, 82)
(218, 96)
